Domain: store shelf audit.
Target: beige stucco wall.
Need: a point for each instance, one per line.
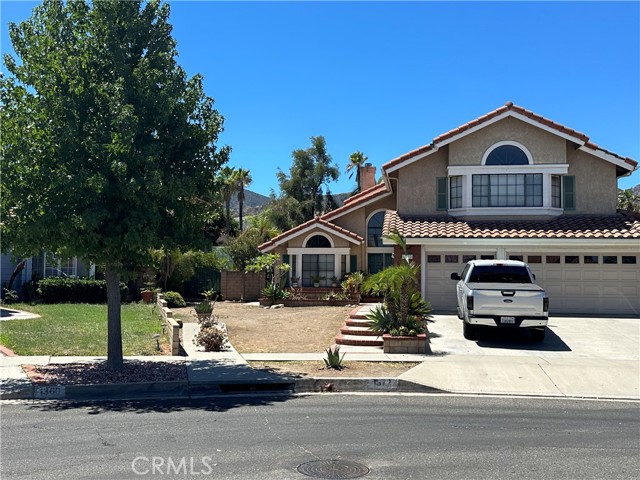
(596, 183)
(544, 147)
(356, 221)
(417, 184)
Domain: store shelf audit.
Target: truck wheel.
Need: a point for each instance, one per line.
(470, 332)
(537, 334)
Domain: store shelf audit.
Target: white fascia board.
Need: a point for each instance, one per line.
(308, 229)
(542, 126)
(609, 158)
(474, 129)
(412, 159)
(333, 232)
(532, 244)
(549, 168)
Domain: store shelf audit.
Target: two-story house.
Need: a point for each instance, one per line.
(508, 185)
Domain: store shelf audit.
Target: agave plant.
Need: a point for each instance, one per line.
(334, 360)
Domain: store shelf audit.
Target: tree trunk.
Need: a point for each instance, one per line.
(115, 359)
(227, 216)
(16, 271)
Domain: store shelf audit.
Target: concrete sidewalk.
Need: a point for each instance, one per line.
(603, 363)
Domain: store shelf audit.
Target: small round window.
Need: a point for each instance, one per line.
(318, 241)
(507, 155)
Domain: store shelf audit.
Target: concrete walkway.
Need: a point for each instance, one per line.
(591, 358)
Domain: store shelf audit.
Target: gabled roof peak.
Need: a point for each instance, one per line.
(521, 113)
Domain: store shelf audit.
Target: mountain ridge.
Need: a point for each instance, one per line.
(254, 203)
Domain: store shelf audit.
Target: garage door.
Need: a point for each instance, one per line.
(591, 284)
(440, 290)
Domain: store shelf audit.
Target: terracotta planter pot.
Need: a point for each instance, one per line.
(147, 296)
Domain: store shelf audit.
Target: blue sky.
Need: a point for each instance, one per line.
(387, 77)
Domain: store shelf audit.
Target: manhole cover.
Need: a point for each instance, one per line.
(336, 469)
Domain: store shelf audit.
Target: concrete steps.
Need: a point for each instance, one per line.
(359, 331)
(356, 331)
(359, 340)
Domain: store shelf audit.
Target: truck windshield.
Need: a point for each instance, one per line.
(499, 274)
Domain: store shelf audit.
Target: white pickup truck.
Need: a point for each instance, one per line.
(500, 293)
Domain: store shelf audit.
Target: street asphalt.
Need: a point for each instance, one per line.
(580, 357)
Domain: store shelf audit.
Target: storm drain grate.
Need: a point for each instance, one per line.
(333, 469)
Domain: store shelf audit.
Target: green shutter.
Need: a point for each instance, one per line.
(353, 263)
(569, 192)
(442, 200)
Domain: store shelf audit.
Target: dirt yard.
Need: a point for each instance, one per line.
(350, 370)
(253, 329)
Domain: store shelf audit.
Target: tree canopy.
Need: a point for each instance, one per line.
(108, 148)
(311, 171)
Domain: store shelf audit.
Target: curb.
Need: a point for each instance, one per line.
(7, 352)
(371, 385)
(149, 390)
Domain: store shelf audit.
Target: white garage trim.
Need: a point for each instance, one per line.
(588, 288)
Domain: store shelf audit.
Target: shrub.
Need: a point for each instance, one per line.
(203, 307)
(9, 296)
(334, 296)
(296, 294)
(174, 300)
(212, 337)
(274, 292)
(75, 290)
(353, 283)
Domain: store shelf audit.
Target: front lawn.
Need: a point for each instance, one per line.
(80, 329)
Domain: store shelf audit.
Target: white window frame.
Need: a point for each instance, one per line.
(295, 255)
(501, 144)
(467, 172)
(58, 265)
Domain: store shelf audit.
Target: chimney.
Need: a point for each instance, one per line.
(367, 176)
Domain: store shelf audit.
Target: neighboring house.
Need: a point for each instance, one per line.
(508, 185)
(44, 265)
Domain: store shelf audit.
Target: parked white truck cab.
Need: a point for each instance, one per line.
(500, 294)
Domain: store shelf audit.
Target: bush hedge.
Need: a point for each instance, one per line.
(174, 300)
(75, 290)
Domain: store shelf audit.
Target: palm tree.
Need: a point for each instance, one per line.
(228, 180)
(243, 179)
(356, 160)
(263, 226)
(629, 201)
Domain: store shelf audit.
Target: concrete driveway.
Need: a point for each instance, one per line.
(583, 357)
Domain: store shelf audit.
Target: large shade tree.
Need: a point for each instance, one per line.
(312, 170)
(108, 148)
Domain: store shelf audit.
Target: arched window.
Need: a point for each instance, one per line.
(374, 230)
(318, 241)
(507, 154)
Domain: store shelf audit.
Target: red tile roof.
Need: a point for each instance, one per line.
(362, 197)
(621, 225)
(509, 106)
(314, 221)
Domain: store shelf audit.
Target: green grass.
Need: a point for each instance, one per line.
(80, 329)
